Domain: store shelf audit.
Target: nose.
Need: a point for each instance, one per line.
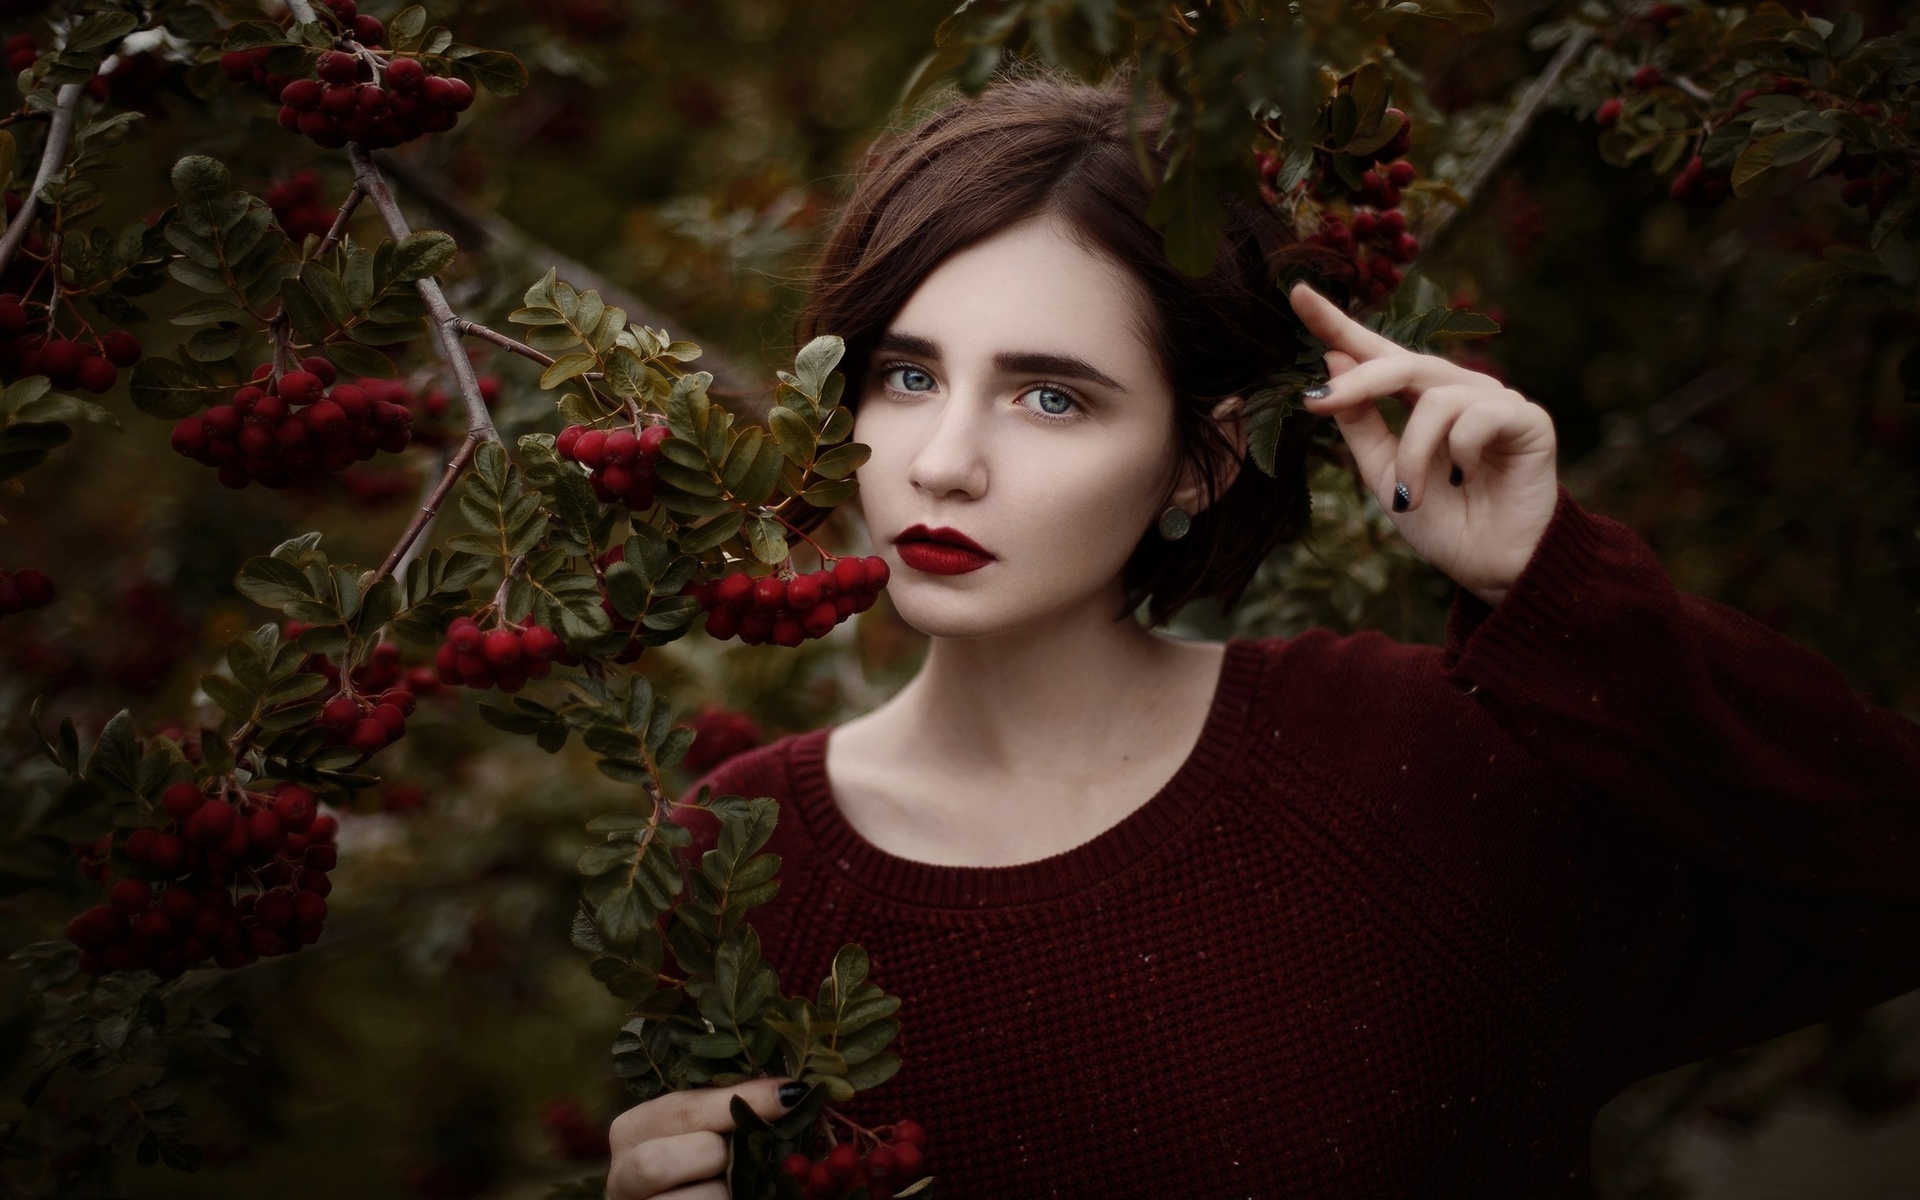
(952, 461)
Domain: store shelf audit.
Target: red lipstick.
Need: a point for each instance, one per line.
(940, 551)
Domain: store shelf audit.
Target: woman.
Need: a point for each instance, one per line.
(1311, 917)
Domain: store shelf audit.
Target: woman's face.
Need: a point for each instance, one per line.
(1014, 401)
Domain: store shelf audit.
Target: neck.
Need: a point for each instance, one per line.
(1075, 688)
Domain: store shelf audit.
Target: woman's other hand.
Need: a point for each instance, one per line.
(674, 1146)
(1496, 448)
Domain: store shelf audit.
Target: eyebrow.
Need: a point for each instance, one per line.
(1012, 362)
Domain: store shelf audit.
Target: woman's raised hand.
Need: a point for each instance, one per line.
(1494, 445)
(680, 1139)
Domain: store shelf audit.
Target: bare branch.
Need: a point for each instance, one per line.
(59, 134)
(405, 550)
(444, 322)
(339, 228)
(1525, 111)
(474, 329)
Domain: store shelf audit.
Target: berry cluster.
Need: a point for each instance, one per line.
(278, 430)
(22, 589)
(718, 735)
(787, 612)
(885, 1167)
(300, 207)
(620, 459)
(347, 104)
(371, 714)
(26, 350)
(575, 1134)
(1373, 236)
(231, 883)
(250, 66)
(504, 657)
(430, 428)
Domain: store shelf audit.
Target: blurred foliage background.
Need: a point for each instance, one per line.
(444, 1040)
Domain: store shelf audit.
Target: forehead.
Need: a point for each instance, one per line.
(1034, 286)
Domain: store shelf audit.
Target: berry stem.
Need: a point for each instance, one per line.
(825, 558)
(59, 134)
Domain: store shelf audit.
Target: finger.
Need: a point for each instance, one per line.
(1339, 362)
(657, 1164)
(1386, 377)
(1484, 425)
(696, 1108)
(712, 1189)
(1324, 319)
(1421, 438)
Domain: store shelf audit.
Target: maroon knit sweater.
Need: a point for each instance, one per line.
(1406, 917)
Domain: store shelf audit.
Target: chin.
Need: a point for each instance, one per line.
(978, 612)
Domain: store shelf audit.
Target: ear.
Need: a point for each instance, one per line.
(1230, 415)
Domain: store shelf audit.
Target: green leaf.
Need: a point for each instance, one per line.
(361, 360)
(841, 461)
(422, 253)
(101, 28)
(161, 387)
(793, 434)
(816, 361)
(496, 70)
(769, 540)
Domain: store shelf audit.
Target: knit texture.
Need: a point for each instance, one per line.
(1406, 917)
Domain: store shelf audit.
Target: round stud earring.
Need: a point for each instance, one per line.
(1174, 523)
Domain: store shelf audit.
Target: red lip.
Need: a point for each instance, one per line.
(940, 551)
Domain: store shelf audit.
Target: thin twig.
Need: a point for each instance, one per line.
(475, 329)
(403, 552)
(355, 195)
(59, 133)
(1512, 130)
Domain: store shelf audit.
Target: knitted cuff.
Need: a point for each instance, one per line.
(1582, 559)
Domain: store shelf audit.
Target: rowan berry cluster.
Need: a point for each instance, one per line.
(885, 1167)
(1373, 235)
(430, 408)
(250, 66)
(23, 589)
(503, 657)
(347, 103)
(300, 206)
(26, 349)
(230, 882)
(372, 713)
(787, 612)
(277, 430)
(621, 460)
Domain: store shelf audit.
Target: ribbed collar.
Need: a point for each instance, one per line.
(1174, 809)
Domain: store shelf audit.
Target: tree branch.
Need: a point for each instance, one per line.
(403, 552)
(1525, 111)
(59, 134)
(474, 329)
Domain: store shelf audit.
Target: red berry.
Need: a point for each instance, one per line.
(539, 643)
(735, 591)
(909, 1160)
(1400, 174)
(130, 896)
(652, 438)
(850, 575)
(803, 592)
(569, 439)
(140, 844)
(182, 800)
(591, 449)
(796, 1165)
(96, 375)
(769, 593)
(369, 736)
(722, 624)
(843, 1160)
(294, 805)
(406, 74)
(337, 66)
(299, 387)
(820, 619)
(909, 1131)
(1647, 76)
(121, 348)
(503, 648)
(309, 908)
(881, 1163)
(167, 853)
(877, 572)
(1608, 114)
(340, 714)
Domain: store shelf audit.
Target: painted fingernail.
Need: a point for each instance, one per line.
(790, 1093)
(1454, 476)
(1401, 497)
(1317, 392)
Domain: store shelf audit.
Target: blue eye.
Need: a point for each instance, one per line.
(911, 379)
(1049, 401)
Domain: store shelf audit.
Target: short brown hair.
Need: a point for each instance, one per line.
(1037, 143)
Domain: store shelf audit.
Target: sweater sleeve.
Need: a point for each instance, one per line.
(1790, 805)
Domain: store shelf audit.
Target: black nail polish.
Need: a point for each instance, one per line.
(1401, 497)
(790, 1093)
(1317, 392)
(1454, 476)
